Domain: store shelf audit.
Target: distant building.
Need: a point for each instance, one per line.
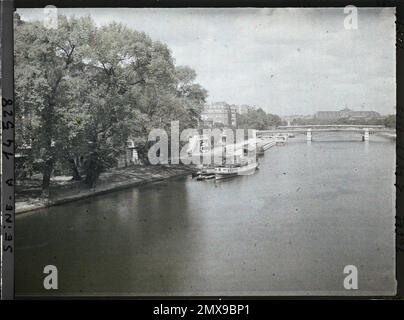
(327, 115)
(346, 113)
(242, 109)
(291, 119)
(219, 113)
(233, 115)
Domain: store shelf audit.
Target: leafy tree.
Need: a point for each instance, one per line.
(390, 121)
(43, 60)
(258, 119)
(82, 91)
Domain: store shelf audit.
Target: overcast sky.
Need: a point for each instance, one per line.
(288, 61)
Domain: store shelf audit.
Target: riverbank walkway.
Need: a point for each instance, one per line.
(63, 189)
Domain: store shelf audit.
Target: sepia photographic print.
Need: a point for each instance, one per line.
(205, 151)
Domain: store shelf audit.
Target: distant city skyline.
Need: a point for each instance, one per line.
(295, 114)
(286, 61)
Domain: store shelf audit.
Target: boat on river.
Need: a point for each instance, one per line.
(202, 177)
(281, 140)
(205, 173)
(264, 144)
(242, 168)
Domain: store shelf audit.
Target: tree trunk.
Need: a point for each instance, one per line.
(48, 129)
(75, 170)
(93, 170)
(46, 175)
(142, 154)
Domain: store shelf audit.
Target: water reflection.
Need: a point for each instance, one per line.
(309, 210)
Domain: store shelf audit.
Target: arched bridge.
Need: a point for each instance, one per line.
(309, 130)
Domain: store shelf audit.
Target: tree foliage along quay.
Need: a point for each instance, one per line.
(258, 119)
(83, 90)
(388, 121)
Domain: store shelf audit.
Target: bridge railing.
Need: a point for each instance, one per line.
(365, 130)
(301, 130)
(334, 126)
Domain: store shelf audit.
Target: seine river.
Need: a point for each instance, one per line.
(291, 228)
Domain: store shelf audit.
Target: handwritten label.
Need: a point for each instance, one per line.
(8, 175)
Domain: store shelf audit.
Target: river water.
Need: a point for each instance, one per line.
(291, 228)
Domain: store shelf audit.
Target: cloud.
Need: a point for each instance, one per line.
(288, 61)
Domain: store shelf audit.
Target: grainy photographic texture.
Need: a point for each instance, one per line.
(191, 151)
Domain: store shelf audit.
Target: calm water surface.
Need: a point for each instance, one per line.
(290, 228)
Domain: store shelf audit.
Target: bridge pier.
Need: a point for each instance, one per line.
(365, 136)
(308, 134)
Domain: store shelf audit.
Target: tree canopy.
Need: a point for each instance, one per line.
(257, 118)
(83, 90)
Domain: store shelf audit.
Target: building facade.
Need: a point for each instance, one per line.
(219, 113)
(242, 109)
(346, 113)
